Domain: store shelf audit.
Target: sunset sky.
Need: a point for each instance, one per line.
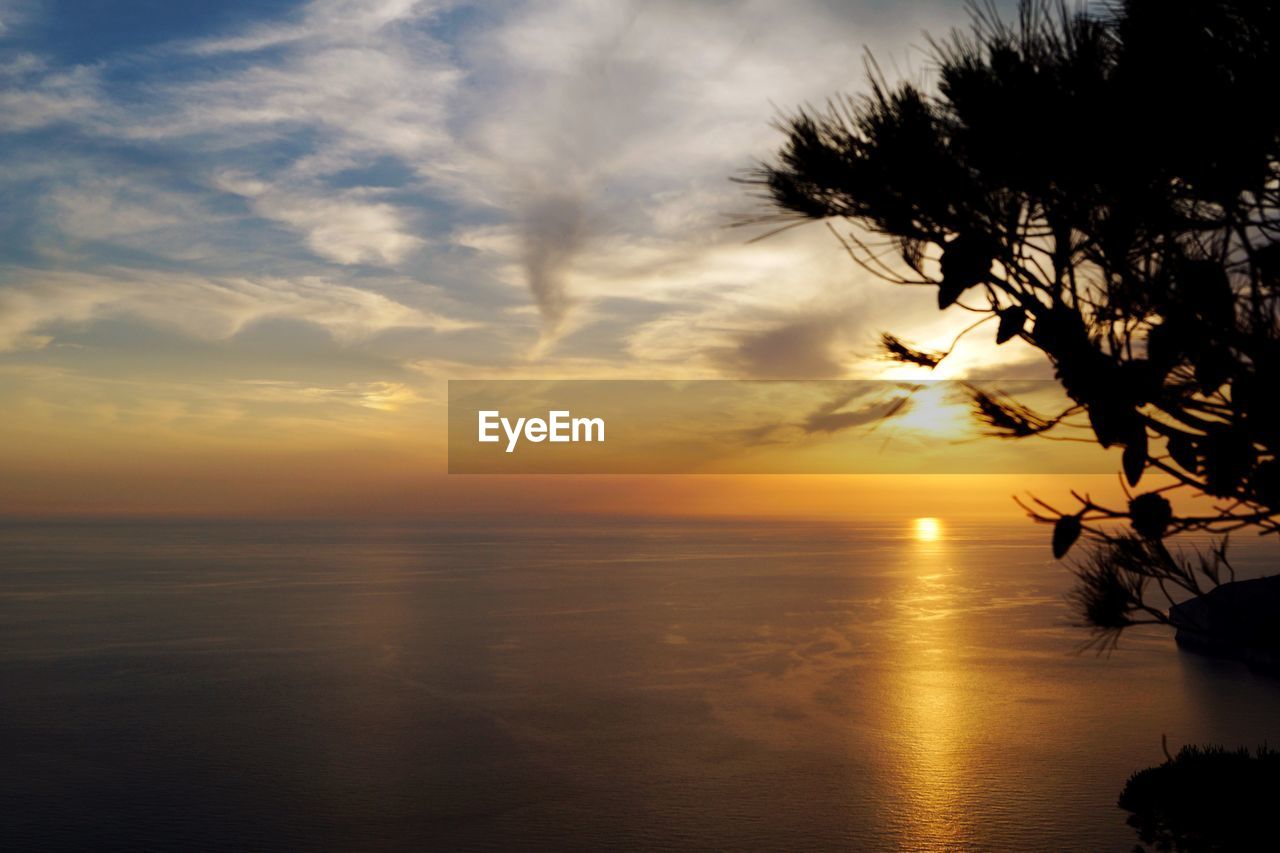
(246, 244)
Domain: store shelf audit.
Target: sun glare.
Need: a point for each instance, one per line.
(928, 529)
(933, 411)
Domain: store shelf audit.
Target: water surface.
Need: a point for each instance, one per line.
(572, 685)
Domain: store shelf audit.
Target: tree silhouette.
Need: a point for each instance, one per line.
(1206, 800)
(1104, 187)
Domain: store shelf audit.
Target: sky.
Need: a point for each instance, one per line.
(245, 244)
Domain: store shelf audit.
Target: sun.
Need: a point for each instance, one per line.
(927, 529)
(936, 412)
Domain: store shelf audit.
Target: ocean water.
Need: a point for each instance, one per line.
(577, 686)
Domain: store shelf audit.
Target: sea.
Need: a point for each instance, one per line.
(580, 684)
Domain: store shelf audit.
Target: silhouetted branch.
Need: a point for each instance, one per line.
(1107, 186)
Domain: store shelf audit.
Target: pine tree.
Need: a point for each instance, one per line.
(1106, 188)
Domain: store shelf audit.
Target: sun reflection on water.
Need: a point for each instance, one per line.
(928, 529)
(930, 709)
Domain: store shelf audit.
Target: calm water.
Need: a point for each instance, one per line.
(626, 686)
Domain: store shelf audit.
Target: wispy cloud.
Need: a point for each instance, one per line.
(347, 227)
(562, 156)
(33, 94)
(836, 415)
(208, 308)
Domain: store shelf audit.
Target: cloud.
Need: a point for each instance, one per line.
(343, 227)
(384, 95)
(34, 95)
(834, 417)
(320, 19)
(566, 157)
(552, 229)
(349, 83)
(615, 127)
(126, 212)
(803, 348)
(35, 302)
(382, 396)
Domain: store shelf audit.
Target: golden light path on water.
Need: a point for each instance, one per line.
(931, 703)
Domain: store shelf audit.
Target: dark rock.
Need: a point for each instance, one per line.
(1238, 620)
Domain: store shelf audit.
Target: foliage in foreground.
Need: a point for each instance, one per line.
(1207, 799)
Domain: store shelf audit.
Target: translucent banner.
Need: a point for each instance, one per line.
(754, 427)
